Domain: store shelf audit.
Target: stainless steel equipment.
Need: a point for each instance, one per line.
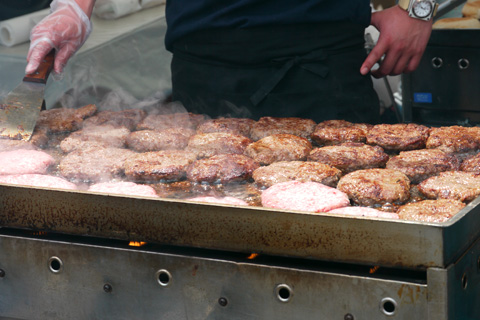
(311, 266)
(442, 90)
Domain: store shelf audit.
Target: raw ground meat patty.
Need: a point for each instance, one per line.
(350, 156)
(430, 210)
(302, 171)
(399, 136)
(333, 132)
(23, 161)
(94, 164)
(206, 145)
(160, 165)
(9, 145)
(156, 140)
(457, 185)
(222, 200)
(304, 196)
(240, 126)
(124, 118)
(454, 139)
(267, 126)
(126, 188)
(421, 164)
(103, 136)
(222, 168)
(38, 180)
(279, 147)
(173, 120)
(371, 187)
(364, 212)
(65, 119)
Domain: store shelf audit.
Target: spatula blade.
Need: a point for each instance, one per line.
(20, 110)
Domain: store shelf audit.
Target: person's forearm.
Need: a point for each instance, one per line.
(87, 6)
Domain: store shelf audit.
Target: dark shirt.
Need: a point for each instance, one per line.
(187, 16)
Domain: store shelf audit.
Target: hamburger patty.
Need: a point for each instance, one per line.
(23, 161)
(267, 126)
(124, 187)
(65, 119)
(156, 140)
(9, 145)
(94, 164)
(38, 180)
(222, 168)
(333, 132)
(279, 147)
(421, 164)
(284, 171)
(364, 212)
(350, 156)
(303, 196)
(457, 185)
(103, 136)
(128, 118)
(430, 210)
(371, 187)
(239, 126)
(206, 145)
(160, 165)
(173, 120)
(455, 139)
(471, 164)
(399, 136)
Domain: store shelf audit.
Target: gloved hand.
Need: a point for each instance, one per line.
(65, 29)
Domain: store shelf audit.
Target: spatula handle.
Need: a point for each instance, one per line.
(43, 71)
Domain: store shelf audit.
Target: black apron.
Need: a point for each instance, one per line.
(307, 71)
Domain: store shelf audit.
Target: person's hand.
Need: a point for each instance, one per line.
(402, 40)
(65, 29)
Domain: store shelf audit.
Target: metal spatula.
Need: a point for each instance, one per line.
(20, 109)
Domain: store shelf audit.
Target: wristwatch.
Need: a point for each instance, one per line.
(419, 9)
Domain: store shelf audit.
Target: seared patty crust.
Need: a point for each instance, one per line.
(334, 132)
(370, 187)
(267, 126)
(279, 147)
(456, 185)
(430, 210)
(399, 136)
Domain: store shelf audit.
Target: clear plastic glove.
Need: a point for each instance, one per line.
(65, 29)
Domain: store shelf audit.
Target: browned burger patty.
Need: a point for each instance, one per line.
(155, 140)
(421, 164)
(103, 135)
(471, 164)
(94, 164)
(206, 145)
(399, 136)
(371, 187)
(222, 168)
(333, 132)
(279, 147)
(174, 120)
(302, 171)
(455, 139)
(168, 165)
(430, 210)
(128, 118)
(267, 126)
(457, 185)
(350, 156)
(239, 126)
(65, 119)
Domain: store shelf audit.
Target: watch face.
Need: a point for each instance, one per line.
(422, 9)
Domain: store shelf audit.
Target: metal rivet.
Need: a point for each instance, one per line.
(349, 316)
(463, 64)
(437, 62)
(55, 264)
(222, 301)
(163, 277)
(283, 292)
(388, 306)
(464, 281)
(107, 288)
(2, 273)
